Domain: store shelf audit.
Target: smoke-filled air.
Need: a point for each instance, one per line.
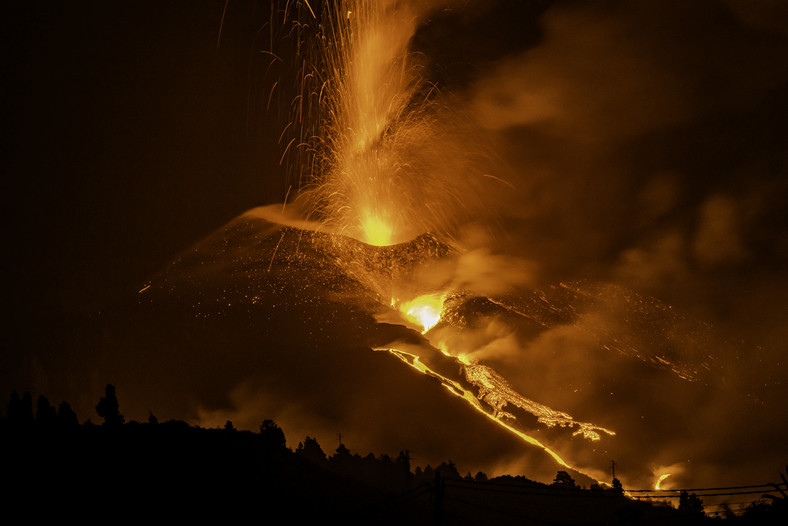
(525, 236)
(511, 235)
(514, 235)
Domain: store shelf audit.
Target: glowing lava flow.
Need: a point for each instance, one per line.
(384, 163)
(494, 392)
(424, 310)
(467, 395)
(660, 481)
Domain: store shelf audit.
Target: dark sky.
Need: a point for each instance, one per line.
(130, 139)
(646, 144)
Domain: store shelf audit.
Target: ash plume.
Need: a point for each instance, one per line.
(647, 150)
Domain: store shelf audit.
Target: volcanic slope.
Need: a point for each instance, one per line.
(264, 320)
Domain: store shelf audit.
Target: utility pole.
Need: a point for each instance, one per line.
(616, 483)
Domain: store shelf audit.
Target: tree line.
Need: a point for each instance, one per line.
(185, 468)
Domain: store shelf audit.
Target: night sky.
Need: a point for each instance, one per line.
(645, 145)
(129, 139)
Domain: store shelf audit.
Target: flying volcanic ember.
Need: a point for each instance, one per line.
(382, 243)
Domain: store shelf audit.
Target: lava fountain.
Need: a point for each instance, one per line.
(380, 159)
(383, 161)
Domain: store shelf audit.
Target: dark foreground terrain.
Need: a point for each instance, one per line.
(54, 468)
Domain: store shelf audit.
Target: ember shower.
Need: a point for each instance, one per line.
(389, 241)
(385, 163)
(382, 160)
(377, 156)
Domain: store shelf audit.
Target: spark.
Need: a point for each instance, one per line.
(507, 183)
(377, 158)
(310, 9)
(275, 250)
(221, 24)
(284, 203)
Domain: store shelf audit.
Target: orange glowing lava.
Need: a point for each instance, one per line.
(424, 310)
(378, 157)
(660, 480)
(457, 389)
(384, 162)
(377, 231)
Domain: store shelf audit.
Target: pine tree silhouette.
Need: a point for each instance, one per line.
(108, 408)
(311, 450)
(46, 415)
(20, 410)
(66, 416)
(272, 435)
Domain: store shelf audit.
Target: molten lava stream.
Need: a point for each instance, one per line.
(494, 393)
(424, 310)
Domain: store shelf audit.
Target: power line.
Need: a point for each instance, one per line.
(700, 494)
(703, 489)
(493, 486)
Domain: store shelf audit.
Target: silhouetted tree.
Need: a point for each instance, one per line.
(448, 470)
(228, 426)
(46, 415)
(402, 467)
(272, 435)
(12, 409)
(564, 481)
(341, 460)
(617, 487)
(403, 460)
(66, 416)
(109, 409)
(20, 410)
(690, 504)
(480, 477)
(152, 418)
(311, 450)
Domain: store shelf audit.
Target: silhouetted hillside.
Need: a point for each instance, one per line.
(55, 468)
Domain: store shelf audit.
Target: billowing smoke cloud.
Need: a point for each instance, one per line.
(646, 142)
(639, 194)
(644, 167)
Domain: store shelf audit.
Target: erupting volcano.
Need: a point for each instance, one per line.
(523, 236)
(374, 252)
(385, 163)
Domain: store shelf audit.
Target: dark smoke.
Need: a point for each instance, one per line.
(647, 142)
